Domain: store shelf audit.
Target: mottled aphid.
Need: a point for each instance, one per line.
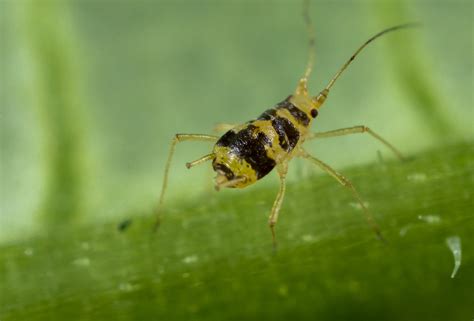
(248, 152)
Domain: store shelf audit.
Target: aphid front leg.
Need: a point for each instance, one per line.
(273, 218)
(356, 130)
(178, 138)
(346, 183)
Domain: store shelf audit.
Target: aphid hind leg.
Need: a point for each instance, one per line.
(273, 218)
(178, 138)
(346, 183)
(356, 130)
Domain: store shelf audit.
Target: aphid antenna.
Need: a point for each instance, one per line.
(321, 97)
(311, 40)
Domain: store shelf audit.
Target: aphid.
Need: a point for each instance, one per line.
(246, 153)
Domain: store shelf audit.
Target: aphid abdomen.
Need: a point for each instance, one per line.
(243, 151)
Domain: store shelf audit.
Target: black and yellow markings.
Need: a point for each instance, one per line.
(229, 174)
(286, 120)
(288, 134)
(248, 152)
(250, 145)
(299, 115)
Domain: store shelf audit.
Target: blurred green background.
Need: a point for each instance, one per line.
(91, 93)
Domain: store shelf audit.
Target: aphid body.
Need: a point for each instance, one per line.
(248, 152)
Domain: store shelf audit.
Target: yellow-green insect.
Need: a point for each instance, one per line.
(248, 152)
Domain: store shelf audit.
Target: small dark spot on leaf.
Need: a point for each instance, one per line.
(124, 225)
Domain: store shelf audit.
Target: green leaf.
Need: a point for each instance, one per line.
(212, 258)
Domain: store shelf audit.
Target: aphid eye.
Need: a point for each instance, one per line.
(314, 113)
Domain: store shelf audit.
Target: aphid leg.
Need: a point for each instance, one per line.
(356, 130)
(178, 138)
(273, 218)
(223, 127)
(346, 183)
